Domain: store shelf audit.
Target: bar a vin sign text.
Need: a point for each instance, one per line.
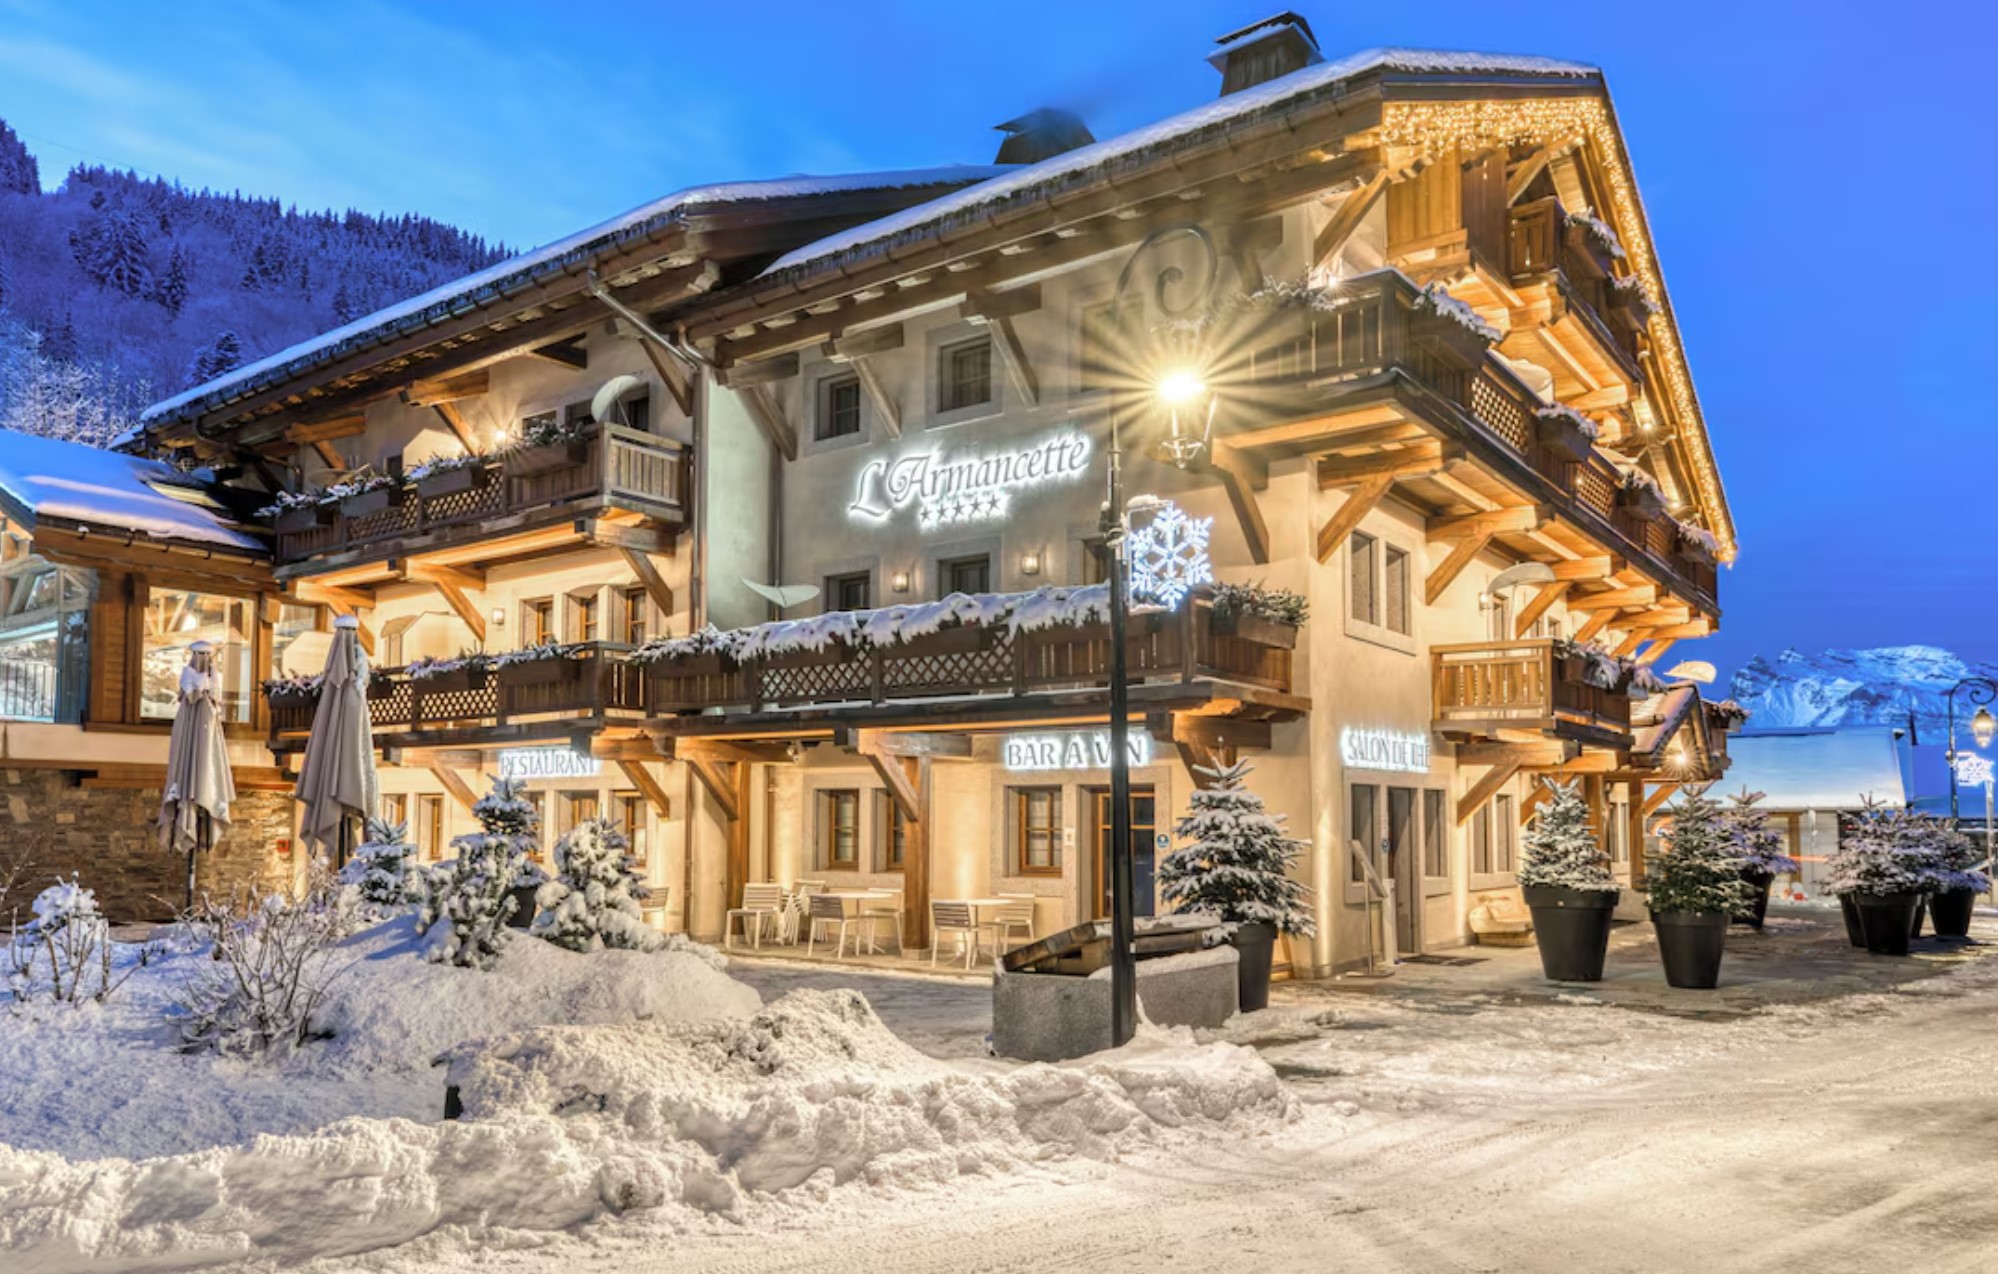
(1071, 750)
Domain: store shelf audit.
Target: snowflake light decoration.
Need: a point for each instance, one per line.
(1168, 557)
(1973, 770)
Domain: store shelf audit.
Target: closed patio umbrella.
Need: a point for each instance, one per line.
(338, 782)
(194, 804)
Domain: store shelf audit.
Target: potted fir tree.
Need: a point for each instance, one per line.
(1694, 891)
(1762, 856)
(1236, 867)
(1874, 870)
(1566, 880)
(1955, 878)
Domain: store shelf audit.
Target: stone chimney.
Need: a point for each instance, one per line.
(1041, 134)
(1262, 51)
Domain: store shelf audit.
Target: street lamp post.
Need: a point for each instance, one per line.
(1174, 386)
(1980, 691)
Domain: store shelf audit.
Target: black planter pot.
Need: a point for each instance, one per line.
(523, 906)
(1888, 920)
(1572, 928)
(1255, 945)
(1689, 946)
(1758, 907)
(1855, 933)
(1921, 909)
(1949, 912)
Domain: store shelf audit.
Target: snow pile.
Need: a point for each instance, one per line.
(685, 1122)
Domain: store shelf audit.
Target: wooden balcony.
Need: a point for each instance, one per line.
(544, 698)
(981, 663)
(613, 468)
(1488, 687)
(1312, 381)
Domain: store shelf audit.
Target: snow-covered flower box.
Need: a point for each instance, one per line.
(1628, 304)
(1267, 616)
(450, 476)
(303, 517)
(291, 691)
(1594, 240)
(1698, 543)
(1447, 326)
(368, 496)
(550, 448)
(547, 664)
(1564, 431)
(1639, 493)
(443, 676)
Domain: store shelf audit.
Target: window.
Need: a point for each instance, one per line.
(964, 378)
(430, 827)
(293, 622)
(1435, 853)
(633, 608)
(537, 621)
(1036, 819)
(1494, 835)
(630, 817)
(175, 619)
(539, 800)
(585, 616)
(1095, 566)
(45, 649)
(852, 591)
(839, 828)
(839, 407)
(395, 809)
(1365, 822)
(1498, 616)
(1480, 835)
(894, 827)
(1366, 596)
(1381, 585)
(577, 414)
(964, 575)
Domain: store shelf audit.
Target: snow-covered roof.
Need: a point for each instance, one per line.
(878, 236)
(564, 255)
(1820, 769)
(45, 478)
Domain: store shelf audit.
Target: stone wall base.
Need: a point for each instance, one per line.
(1042, 1017)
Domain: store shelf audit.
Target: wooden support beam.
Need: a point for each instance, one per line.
(618, 535)
(1013, 357)
(1419, 461)
(1630, 643)
(673, 376)
(1615, 598)
(1691, 628)
(455, 784)
(718, 777)
(1656, 650)
(1583, 569)
(868, 373)
(1537, 755)
(568, 351)
(1346, 218)
(1542, 602)
(1238, 480)
(1534, 800)
(460, 603)
(1196, 756)
(656, 587)
(454, 420)
(469, 578)
(983, 306)
(448, 389)
(857, 351)
(1461, 555)
(1594, 624)
(910, 743)
(1636, 810)
(1359, 503)
(316, 594)
(1595, 794)
(1524, 172)
(768, 414)
(1656, 801)
(334, 427)
(1524, 517)
(763, 371)
(898, 775)
(1481, 791)
(648, 786)
(328, 456)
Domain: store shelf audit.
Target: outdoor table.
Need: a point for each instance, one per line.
(978, 908)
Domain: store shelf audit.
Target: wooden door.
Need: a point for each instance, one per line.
(1144, 857)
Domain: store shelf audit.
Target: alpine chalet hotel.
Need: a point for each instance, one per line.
(1393, 323)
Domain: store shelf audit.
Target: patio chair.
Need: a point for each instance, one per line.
(1015, 919)
(761, 904)
(890, 911)
(955, 918)
(826, 910)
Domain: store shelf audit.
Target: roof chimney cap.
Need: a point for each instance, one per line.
(1263, 51)
(1042, 134)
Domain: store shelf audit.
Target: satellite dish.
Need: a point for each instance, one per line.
(783, 596)
(1524, 573)
(1694, 670)
(612, 397)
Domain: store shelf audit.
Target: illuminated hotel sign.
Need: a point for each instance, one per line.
(547, 763)
(1071, 750)
(949, 487)
(1372, 749)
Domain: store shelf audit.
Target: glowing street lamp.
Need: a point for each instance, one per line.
(1983, 726)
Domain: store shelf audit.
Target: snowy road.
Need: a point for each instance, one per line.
(1849, 1136)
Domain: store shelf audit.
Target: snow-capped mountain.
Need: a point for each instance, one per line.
(1856, 687)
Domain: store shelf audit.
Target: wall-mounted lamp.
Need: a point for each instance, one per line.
(499, 617)
(899, 582)
(1030, 563)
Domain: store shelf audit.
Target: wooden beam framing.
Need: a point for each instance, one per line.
(1361, 501)
(1542, 601)
(455, 421)
(1524, 172)
(455, 784)
(1636, 810)
(448, 389)
(1656, 650)
(1615, 598)
(912, 743)
(857, 351)
(1481, 791)
(656, 587)
(671, 375)
(454, 587)
(1594, 624)
(329, 456)
(768, 414)
(1238, 480)
(1419, 461)
(718, 777)
(1581, 570)
(1461, 555)
(1656, 801)
(641, 778)
(1524, 517)
(996, 311)
(568, 351)
(1346, 218)
(618, 535)
(762, 371)
(303, 433)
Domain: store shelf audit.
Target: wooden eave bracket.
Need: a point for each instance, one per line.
(857, 351)
(997, 310)
(649, 576)
(455, 585)
(1241, 477)
(1481, 791)
(568, 352)
(1361, 501)
(448, 389)
(455, 421)
(1347, 217)
(454, 783)
(648, 786)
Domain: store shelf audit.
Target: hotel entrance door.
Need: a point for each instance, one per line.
(1144, 858)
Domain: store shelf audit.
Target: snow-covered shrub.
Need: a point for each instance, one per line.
(1700, 870)
(1237, 866)
(380, 872)
(272, 963)
(1279, 605)
(593, 900)
(64, 952)
(1760, 845)
(1877, 857)
(1950, 859)
(469, 900)
(1560, 851)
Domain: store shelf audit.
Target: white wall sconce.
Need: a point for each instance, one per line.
(1030, 562)
(899, 582)
(498, 618)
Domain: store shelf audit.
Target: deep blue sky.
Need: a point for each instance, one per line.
(1820, 182)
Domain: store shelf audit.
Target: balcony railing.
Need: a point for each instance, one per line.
(975, 661)
(618, 466)
(596, 683)
(1293, 357)
(1524, 685)
(1542, 241)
